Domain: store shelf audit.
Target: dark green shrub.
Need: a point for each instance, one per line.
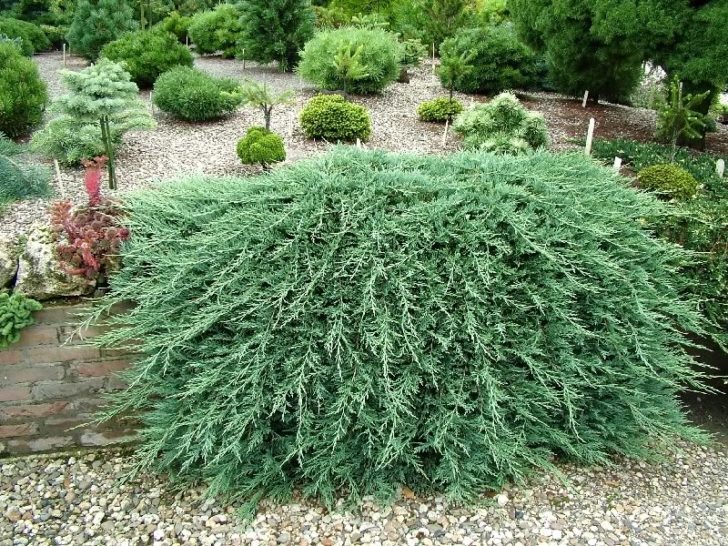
(500, 61)
(439, 109)
(33, 38)
(192, 95)
(364, 320)
(698, 224)
(16, 313)
(20, 178)
(177, 24)
(98, 22)
(413, 51)
(23, 94)
(216, 30)
(668, 180)
(261, 146)
(502, 126)
(275, 30)
(333, 118)
(145, 54)
(376, 52)
(56, 35)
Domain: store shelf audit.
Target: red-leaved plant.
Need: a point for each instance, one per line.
(88, 238)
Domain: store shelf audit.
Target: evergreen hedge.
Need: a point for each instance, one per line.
(363, 320)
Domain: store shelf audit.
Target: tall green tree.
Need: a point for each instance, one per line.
(276, 30)
(98, 22)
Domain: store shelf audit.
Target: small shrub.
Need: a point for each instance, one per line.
(261, 146)
(440, 109)
(23, 95)
(192, 95)
(146, 54)
(333, 118)
(32, 37)
(669, 181)
(216, 30)
(56, 35)
(503, 126)
(98, 22)
(378, 53)
(678, 118)
(413, 51)
(363, 320)
(499, 59)
(177, 24)
(16, 313)
(88, 238)
(259, 95)
(19, 178)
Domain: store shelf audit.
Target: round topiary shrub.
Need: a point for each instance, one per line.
(262, 146)
(146, 54)
(23, 95)
(33, 39)
(439, 109)
(333, 118)
(192, 95)
(216, 30)
(499, 60)
(502, 126)
(356, 60)
(363, 320)
(668, 180)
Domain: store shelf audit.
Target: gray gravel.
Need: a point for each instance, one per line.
(62, 500)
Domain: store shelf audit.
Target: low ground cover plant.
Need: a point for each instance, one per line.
(192, 95)
(502, 125)
(363, 320)
(23, 95)
(146, 54)
(20, 178)
(699, 224)
(351, 59)
(335, 119)
(261, 146)
(16, 313)
(669, 181)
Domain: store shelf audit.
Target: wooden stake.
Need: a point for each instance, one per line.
(64, 54)
(720, 167)
(444, 135)
(151, 101)
(358, 143)
(60, 180)
(590, 136)
(433, 58)
(586, 98)
(243, 58)
(617, 164)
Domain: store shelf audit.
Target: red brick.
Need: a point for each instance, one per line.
(13, 431)
(72, 336)
(69, 420)
(50, 391)
(31, 374)
(10, 356)
(93, 438)
(11, 394)
(48, 354)
(33, 410)
(99, 369)
(38, 335)
(115, 383)
(60, 315)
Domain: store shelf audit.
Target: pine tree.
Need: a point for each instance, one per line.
(276, 30)
(98, 22)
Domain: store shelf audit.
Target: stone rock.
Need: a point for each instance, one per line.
(10, 249)
(41, 277)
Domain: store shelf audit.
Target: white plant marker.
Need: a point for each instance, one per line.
(358, 143)
(433, 58)
(64, 54)
(617, 164)
(590, 136)
(60, 179)
(187, 41)
(720, 167)
(243, 58)
(444, 135)
(586, 98)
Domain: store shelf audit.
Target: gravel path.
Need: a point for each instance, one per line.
(79, 500)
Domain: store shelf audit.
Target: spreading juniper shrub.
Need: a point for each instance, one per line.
(363, 320)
